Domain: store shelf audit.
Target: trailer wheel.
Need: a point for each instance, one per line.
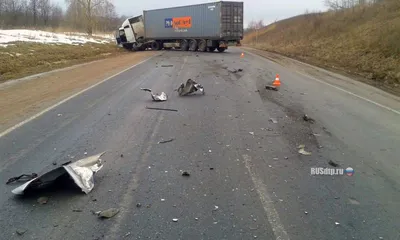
(221, 49)
(184, 45)
(193, 45)
(203, 45)
(155, 45)
(211, 49)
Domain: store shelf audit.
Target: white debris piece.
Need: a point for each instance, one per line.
(337, 223)
(174, 219)
(252, 133)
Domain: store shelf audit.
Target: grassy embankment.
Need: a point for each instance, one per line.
(24, 59)
(362, 41)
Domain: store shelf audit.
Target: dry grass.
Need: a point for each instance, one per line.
(363, 41)
(24, 59)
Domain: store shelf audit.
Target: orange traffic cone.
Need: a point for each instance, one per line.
(242, 55)
(277, 82)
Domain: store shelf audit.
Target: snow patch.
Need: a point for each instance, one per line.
(23, 35)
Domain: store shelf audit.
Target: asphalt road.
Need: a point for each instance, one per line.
(247, 179)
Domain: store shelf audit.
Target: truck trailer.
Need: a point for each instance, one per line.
(201, 27)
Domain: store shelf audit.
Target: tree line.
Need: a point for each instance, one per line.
(80, 15)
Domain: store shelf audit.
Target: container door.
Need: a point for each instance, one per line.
(232, 20)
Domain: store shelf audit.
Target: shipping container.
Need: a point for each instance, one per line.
(201, 27)
(215, 21)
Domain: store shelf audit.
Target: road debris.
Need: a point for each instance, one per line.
(162, 200)
(43, 200)
(252, 133)
(196, 219)
(169, 65)
(80, 172)
(353, 201)
(304, 152)
(271, 88)
(185, 174)
(20, 232)
(308, 119)
(165, 109)
(155, 96)
(174, 219)
(54, 163)
(273, 120)
(109, 213)
(59, 115)
(235, 70)
(127, 234)
(305, 212)
(138, 205)
(211, 168)
(122, 155)
(215, 208)
(337, 223)
(333, 164)
(166, 141)
(76, 210)
(23, 177)
(190, 87)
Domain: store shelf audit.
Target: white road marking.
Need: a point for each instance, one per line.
(65, 100)
(272, 214)
(352, 94)
(336, 87)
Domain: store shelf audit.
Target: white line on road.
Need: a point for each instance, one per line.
(272, 214)
(65, 100)
(331, 85)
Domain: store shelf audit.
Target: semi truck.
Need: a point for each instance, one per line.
(200, 27)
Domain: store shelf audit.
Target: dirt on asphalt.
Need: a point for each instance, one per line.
(22, 99)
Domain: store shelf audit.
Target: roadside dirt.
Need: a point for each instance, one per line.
(23, 99)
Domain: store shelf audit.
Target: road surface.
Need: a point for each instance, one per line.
(247, 179)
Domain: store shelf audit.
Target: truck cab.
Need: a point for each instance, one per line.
(131, 32)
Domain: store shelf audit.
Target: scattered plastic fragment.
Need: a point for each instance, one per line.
(21, 232)
(215, 208)
(80, 172)
(43, 200)
(271, 88)
(308, 119)
(174, 219)
(162, 200)
(333, 164)
(305, 212)
(196, 219)
(169, 65)
(122, 155)
(185, 174)
(166, 141)
(109, 213)
(252, 133)
(304, 152)
(76, 210)
(155, 96)
(138, 205)
(190, 87)
(273, 120)
(59, 115)
(127, 234)
(337, 223)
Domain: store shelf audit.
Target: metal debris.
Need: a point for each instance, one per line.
(21, 232)
(155, 96)
(109, 213)
(337, 223)
(185, 174)
(43, 200)
(333, 164)
(252, 133)
(162, 200)
(23, 177)
(165, 109)
(190, 87)
(271, 88)
(166, 141)
(174, 219)
(304, 152)
(196, 219)
(80, 172)
(308, 119)
(305, 212)
(59, 115)
(138, 205)
(215, 208)
(273, 120)
(169, 65)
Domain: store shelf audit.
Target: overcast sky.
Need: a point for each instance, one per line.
(268, 10)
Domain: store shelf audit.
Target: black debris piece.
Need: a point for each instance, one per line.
(333, 164)
(122, 155)
(271, 88)
(211, 168)
(77, 210)
(20, 232)
(169, 65)
(138, 205)
(185, 174)
(23, 177)
(308, 119)
(166, 141)
(165, 109)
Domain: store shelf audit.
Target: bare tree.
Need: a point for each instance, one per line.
(90, 6)
(44, 11)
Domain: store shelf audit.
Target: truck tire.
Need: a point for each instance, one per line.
(202, 45)
(184, 45)
(155, 45)
(211, 49)
(193, 45)
(221, 49)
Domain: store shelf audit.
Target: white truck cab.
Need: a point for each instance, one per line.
(131, 30)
